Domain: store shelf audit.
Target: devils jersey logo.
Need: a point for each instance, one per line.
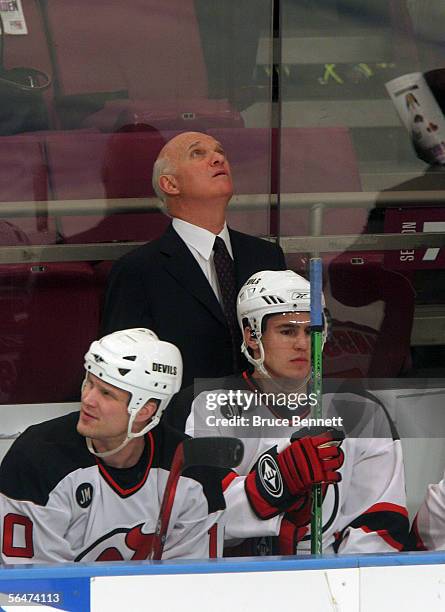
(119, 545)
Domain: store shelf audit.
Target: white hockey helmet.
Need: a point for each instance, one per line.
(136, 361)
(267, 293)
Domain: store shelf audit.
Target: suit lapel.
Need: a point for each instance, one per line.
(180, 263)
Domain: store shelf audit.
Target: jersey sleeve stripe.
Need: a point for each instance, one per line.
(387, 507)
(391, 525)
(383, 533)
(227, 480)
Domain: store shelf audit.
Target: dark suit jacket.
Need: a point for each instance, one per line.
(161, 286)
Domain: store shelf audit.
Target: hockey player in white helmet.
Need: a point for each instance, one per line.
(286, 294)
(268, 407)
(147, 371)
(88, 486)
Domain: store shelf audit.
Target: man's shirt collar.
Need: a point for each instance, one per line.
(199, 238)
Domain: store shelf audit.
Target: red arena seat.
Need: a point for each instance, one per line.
(126, 68)
(99, 54)
(49, 314)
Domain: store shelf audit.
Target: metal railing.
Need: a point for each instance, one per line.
(317, 203)
(429, 322)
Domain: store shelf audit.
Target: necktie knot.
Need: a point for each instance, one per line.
(219, 246)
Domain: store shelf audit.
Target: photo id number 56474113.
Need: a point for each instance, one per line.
(34, 598)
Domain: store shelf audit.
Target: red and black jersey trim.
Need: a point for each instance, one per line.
(389, 521)
(126, 492)
(250, 382)
(228, 479)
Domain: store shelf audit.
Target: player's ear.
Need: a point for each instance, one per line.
(147, 410)
(169, 184)
(250, 338)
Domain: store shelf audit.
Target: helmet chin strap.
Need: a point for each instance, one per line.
(130, 435)
(258, 364)
(109, 452)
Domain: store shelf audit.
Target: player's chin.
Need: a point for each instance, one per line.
(82, 428)
(83, 431)
(84, 425)
(299, 367)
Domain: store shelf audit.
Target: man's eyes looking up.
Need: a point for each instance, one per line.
(203, 152)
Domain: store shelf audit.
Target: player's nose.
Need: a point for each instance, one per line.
(89, 396)
(302, 340)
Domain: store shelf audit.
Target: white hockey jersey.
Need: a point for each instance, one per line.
(364, 513)
(58, 502)
(429, 525)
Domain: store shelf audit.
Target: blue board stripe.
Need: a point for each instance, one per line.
(254, 564)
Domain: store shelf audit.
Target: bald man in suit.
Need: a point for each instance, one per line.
(171, 284)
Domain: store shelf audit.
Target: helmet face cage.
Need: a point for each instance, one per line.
(268, 293)
(138, 362)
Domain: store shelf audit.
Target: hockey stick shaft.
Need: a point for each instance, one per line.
(167, 504)
(316, 275)
(215, 452)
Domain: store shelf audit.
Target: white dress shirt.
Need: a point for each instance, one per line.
(200, 243)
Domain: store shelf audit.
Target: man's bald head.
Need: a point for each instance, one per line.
(165, 162)
(178, 143)
(190, 169)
